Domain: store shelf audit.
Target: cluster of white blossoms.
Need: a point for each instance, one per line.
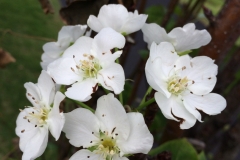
(183, 84)
(82, 64)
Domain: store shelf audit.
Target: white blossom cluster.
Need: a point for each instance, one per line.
(182, 84)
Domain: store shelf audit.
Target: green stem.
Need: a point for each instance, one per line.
(84, 106)
(121, 98)
(140, 107)
(144, 98)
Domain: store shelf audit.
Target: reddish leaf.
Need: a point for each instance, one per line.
(46, 6)
(5, 58)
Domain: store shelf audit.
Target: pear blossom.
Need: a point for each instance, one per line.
(183, 84)
(90, 62)
(117, 17)
(109, 134)
(66, 37)
(34, 122)
(183, 39)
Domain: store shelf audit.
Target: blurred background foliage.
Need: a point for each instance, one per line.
(24, 28)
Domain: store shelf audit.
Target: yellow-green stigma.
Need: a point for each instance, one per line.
(89, 66)
(107, 146)
(38, 116)
(177, 85)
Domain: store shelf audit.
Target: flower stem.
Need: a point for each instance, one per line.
(121, 98)
(144, 98)
(84, 105)
(141, 106)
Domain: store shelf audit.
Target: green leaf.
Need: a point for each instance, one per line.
(144, 54)
(181, 149)
(155, 13)
(202, 156)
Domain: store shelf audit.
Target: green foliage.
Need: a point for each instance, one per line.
(181, 149)
(213, 5)
(155, 14)
(202, 156)
(158, 125)
(26, 18)
(144, 54)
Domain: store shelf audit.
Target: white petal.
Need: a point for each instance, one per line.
(134, 22)
(108, 58)
(55, 118)
(190, 107)
(116, 157)
(188, 38)
(94, 23)
(211, 103)
(24, 129)
(203, 74)
(53, 49)
(113, 15)
(112, 115)
(81, 46)
(72, 32)
(46, 60)
(46, 87)
(165, 51)
(179, 110)
(106, 40)
(154, 33)
(112, 78)
(60, 70)
(84, 154)
(81, 126)
(156, 77)
(81, 91)
(36, 145)
(140, 139)
(183, 66)
(165, 105)
(33, 93)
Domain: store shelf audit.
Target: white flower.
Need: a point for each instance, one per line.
(110, 133)
(66, 37)
(183, 39)
(89, 62)
(118, 18)
(183, 84)
(33, 122)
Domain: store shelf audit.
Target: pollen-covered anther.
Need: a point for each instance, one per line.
(38, 116)
(177, 85)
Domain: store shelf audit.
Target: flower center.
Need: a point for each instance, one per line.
(107, 146)
(38, 116)
(89, 67)
(177, 85)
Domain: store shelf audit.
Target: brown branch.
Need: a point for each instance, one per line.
(5, 31)
(224, 32)
(120, 2)
(228, 74)
(142, 6)
(137, 81)
(209, 15)
(171, 6)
